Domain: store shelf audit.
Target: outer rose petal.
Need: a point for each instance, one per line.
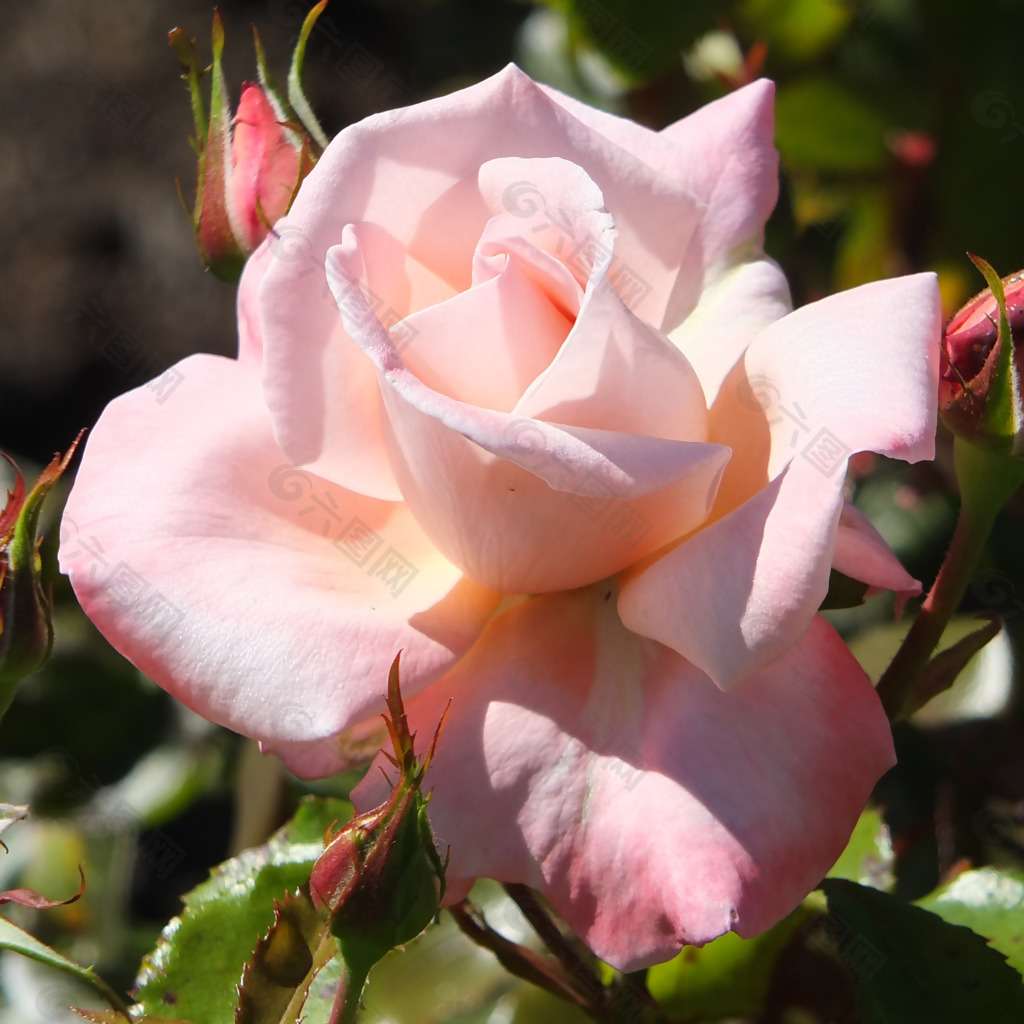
(728, 159)
(862, 554)
(723, 154)
(862, 363)
(856, 371)
(652, 809)
(743, 590)
(250, 336)
(206, 559)
(390, 171)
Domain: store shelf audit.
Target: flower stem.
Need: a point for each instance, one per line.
(518, 960)
(583, 977)
(986, 481)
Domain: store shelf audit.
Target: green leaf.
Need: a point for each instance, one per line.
(947, 665)
(200, 956)
(821, 125)
(112, 1017)
(795, 30)
(276, 979)
(909, 965)
(319, 1004)
(989, 902)
(13, 938)
(982, 683)
(728, 977)
(868, 857)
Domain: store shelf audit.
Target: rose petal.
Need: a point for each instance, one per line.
(520, 504)
(733, 309)
(651, 808)
(616, 372)
(250, 337)
(319, 388)
(861, 365)
(488, 344)
(263, 597)
(727, 158)
(862, 553)
(809, 386)
(740, 592)
(723, 154)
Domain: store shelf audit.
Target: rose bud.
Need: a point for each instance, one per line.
(980, 397)
(250, 166)
(264, 168)
(380, 878)
(26, 629)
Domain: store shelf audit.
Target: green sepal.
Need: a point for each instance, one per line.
(274, 95)
(1002, 416)
(217, 235)
(26, 627)
(296, 94)
(185, 50)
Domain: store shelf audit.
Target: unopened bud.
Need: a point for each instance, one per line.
(251, 165)
(980, 393)
(380, 879)
(26, 630)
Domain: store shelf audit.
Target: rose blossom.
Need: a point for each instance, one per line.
(563, 444)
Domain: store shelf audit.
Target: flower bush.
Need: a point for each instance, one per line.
(519, 394)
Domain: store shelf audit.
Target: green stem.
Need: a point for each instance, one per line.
(346, 1002)
(986, 481)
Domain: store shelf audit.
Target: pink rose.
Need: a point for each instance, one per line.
(565, 446)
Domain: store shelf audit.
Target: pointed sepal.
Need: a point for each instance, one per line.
(26, 627)
(380, 879)
(296, 93)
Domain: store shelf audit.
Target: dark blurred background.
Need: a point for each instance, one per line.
(900, 125)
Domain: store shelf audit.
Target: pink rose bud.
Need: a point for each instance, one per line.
(380, 878)
(264, 167)
(980, 396)
(250, 166)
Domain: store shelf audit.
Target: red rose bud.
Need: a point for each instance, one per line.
(980, 394)
(250, 166)
(380, 879)
(26, 629)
